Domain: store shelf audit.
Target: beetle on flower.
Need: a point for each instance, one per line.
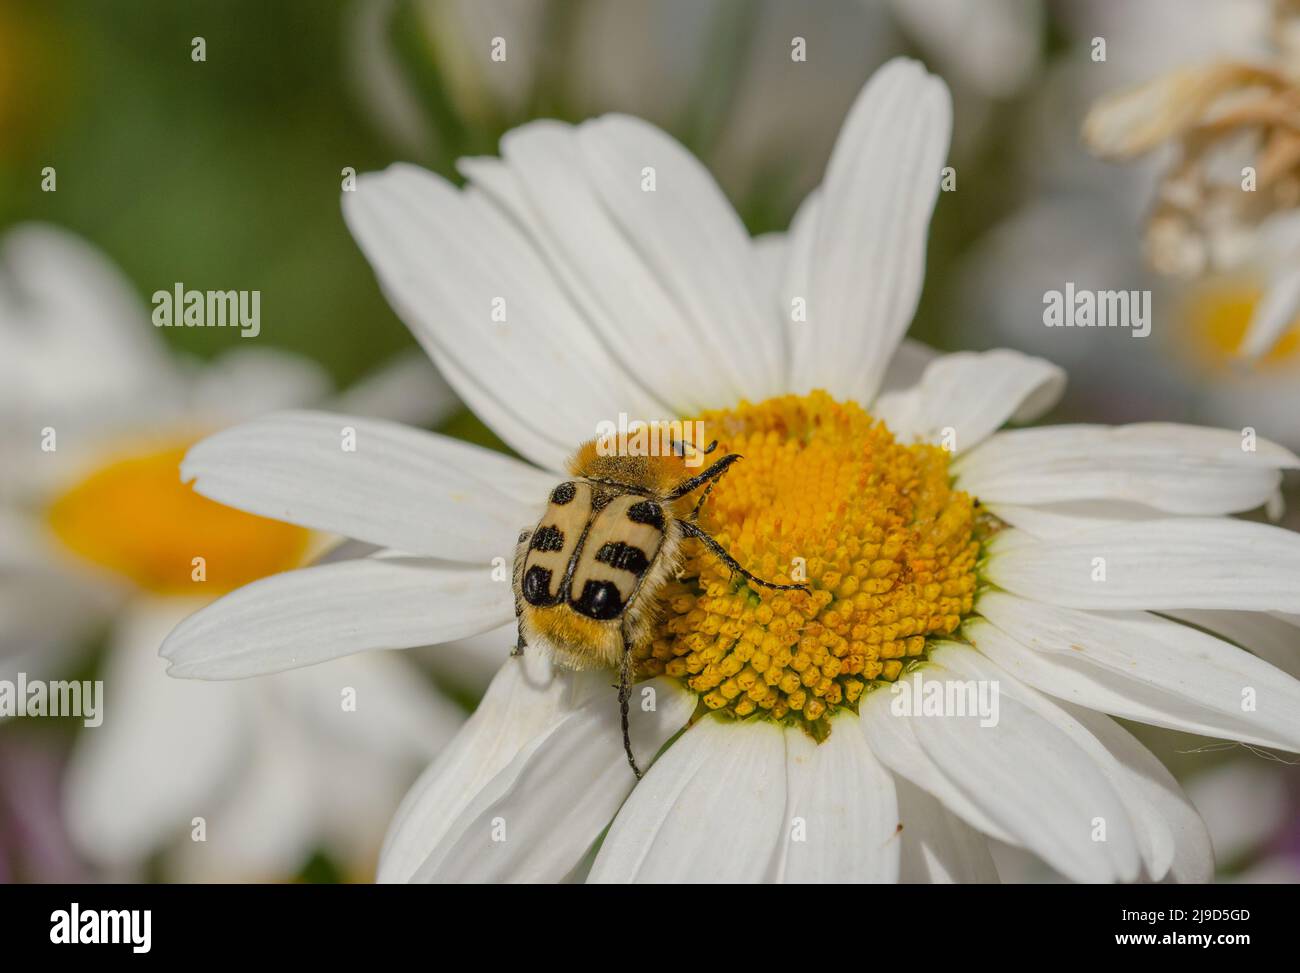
(1035, 558)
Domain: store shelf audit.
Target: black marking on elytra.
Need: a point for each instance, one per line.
(537, 586)
(548, 538)
(563, 494)
(625, 557)
(599, 600)
(600, 500)
(646, 512)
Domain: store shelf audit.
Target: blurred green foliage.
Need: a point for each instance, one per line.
(219, 174)
(227, 172)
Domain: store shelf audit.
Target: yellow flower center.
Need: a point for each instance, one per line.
(135, 517)
(824, 496)
(1220, 313)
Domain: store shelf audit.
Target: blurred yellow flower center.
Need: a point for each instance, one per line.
(1221, 313)
(134, 516)
(826, 497)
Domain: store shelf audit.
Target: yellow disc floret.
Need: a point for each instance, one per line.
(1219, 313)
(824, 496)
(135, 517)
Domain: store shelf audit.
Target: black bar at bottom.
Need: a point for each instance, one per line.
(333, 923)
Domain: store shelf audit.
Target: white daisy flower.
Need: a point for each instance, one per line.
(1033, 560)
(100, 532)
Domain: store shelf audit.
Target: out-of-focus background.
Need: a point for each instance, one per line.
(224, 172)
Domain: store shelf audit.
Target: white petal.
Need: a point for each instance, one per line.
(400, 488)
(300, 618)
(1148, 796)
(263, 825)
(1052, 521)
(74, 336)
(1140, 667)
(907, 366)
(1180, 469)
(522, 702)
(892, 740)
(1016, 866)
(1273, 639)
(467, 665)
(938, 847)
(973, 394)
(396, 715)
(247, 382)
(711, 810)
(1033, 779)
(901, 405)
(476, 86)
(772, 253)
(405, 389)
(842, 818)
(868, 260)
(790, 278)
(448, 261)
(359, 794)
(1150, 782)
(1171, 563)
(48, 609)
(163, 752)
(544, 186)
(558, 794)
(693, 241)
(1276, 314)
(792, 287)
(993, 45)
(383, 85)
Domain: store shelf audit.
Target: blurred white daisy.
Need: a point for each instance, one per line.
(736, 78)
(1033, 561)
(1082, 224)
(1228, 129)
(98, 531)
(1250, 812)
(34, 845)
(1188, 366)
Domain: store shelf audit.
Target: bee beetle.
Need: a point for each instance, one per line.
(588, 577)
